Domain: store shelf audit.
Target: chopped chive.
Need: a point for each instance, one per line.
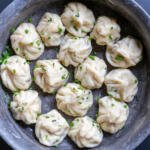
(34, 78)
(75, 28)
(30, 20)
(92, 57)
(136, 81)
(112, 28)
(26, 31)
(49, 38)
(12, 30)
(110, 37)
(9, 104)
(112, 105)
(38, 42)
(63, 77)
(90, 38)
(50, 19)
(119, 58)
(125, 106)
(60, 30)
(71, 124)
(77, 81)
(14, 71)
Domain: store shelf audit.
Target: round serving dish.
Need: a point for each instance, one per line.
(133, 20)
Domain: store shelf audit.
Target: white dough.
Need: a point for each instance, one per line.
(15, 73)
(112, 114)
(121, 84)
(91, 72)
(125, 53)
(26, 42)
(50, 75)
(74, 50)
(26, 106)
(106, 31)
(51, 29)
(85, 132)
(74, 100)
(51, 128)
(78, 19)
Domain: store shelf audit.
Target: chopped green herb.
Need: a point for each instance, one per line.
(63, 77)
(119, 58)
(61, 68)
(75, 28)
(71, 124)
(14, 71)
(50, 19)
(21, 109)
(12, 30)
(32, 43)
(38, 114)
(49, 38)
(34, 78)
(90, 38)
(77, 119)
(112, 105)
(94, 53)
(38, 42)
(83, 31)
(30, 20)
(125, 106)
(74, 90)
(9, 104)
(77, 15)
(17, 49)
(26, 31)
(5, 55)
(77, 81)
(60, 30)
(80, 67)
(81, 88)
(16, 92)
(92, 57)
(136, 81)
(110, 37)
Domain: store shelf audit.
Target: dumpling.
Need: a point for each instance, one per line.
(15, 73)
(51, 29)
(50, 75)
(106, 31)
(121, 84)
(74, 100)
(26, 106)
(74, 50)
(125, 53)
(91, 72)
(78, 19)
(26, 42)
(51, 128)
(85, 132)
(112, 114)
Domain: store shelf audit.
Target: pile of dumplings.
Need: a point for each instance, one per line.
(51, 75)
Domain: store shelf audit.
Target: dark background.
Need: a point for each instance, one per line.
(146, 5)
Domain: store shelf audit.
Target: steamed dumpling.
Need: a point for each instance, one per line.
(106, 31)
(51, 128)
(26, 106)
(51, 29)
(85, 132)
(74, 100)
(50, 75)
(91, 72)
(112, 114)
(15, 73)
(121, 84)
(26, 42)
(78, 19)
(74, 50)
(125, 53)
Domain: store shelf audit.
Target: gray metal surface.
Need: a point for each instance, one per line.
(133, 21)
